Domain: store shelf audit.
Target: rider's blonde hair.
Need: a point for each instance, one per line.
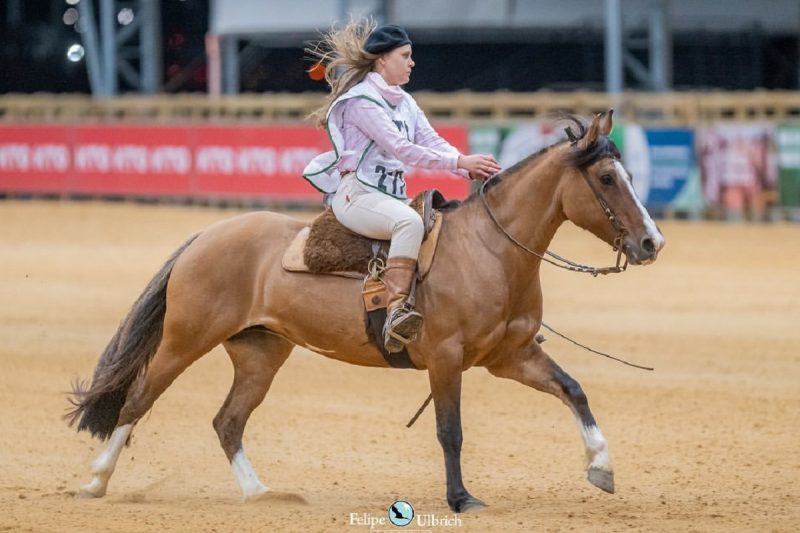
(346, 62)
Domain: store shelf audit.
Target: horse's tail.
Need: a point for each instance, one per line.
(124, 359)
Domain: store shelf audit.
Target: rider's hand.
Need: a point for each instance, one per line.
(479, 166)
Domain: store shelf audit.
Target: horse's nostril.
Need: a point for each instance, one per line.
(648, 245)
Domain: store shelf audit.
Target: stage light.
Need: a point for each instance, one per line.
(125, 16)
(73, 2)
(70, 16)
(75, 53)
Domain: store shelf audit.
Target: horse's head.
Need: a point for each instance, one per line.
(598, 196)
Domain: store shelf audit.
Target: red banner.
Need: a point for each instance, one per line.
(180, 161)
(35, 158)
(131, 160)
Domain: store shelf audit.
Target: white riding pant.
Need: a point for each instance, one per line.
(376, 215)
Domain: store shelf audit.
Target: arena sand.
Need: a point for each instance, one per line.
(707, 442)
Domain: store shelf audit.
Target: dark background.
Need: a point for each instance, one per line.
(33, 55)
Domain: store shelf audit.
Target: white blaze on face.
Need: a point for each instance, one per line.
(650, 226)
(637, 159)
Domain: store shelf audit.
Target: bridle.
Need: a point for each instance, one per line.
(562, 262)
(567, 264)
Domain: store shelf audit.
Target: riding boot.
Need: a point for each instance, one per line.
(402, 322)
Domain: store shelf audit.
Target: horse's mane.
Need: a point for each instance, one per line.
(601, 148)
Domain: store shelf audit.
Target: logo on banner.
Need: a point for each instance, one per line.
(50, 157)
(93, 158)
(132, 159)
(253, 160)
(169, 159)
(37, 157)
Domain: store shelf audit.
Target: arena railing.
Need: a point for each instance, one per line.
(675, 108)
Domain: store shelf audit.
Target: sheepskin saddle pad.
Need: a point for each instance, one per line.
(327, 247)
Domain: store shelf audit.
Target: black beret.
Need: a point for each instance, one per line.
(386, 38)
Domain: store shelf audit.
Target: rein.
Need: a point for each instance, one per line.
(562, 262)
(567, 265)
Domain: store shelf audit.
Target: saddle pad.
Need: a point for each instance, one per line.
(293, 261)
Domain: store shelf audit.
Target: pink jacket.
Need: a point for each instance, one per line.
(365, 121)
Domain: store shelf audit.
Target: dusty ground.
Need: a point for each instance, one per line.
(707, 442)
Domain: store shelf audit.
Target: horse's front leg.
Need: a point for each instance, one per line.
(533, 367)
(445, 379)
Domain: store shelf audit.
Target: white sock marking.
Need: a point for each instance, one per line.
(246, 477)
(106, 462)
(596, 447)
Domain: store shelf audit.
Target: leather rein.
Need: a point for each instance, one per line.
(567, 264)
(562, 262)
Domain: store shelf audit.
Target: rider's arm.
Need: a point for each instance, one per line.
(425, 135)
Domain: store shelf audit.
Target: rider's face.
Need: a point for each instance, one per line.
(395, 66)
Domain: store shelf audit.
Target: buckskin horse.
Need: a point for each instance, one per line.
(226, 285)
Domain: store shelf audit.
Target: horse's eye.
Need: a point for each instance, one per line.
(607, 179)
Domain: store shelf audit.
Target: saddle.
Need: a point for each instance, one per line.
(327, 247)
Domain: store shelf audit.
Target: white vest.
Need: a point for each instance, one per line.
(375, 168)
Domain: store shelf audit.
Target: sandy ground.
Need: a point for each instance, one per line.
(707, 442)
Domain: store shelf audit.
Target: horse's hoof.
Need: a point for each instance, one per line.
(467, 505)
(256, 494)
(271, 496)
(88, 493)
(602, 479)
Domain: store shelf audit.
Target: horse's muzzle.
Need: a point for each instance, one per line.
(644, 250)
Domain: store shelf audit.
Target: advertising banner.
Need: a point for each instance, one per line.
(738, 167)
(671, 154)
(181, 161)
(130, 160)
(512, 144)
(661, 161)
(789, 165)
(35, 158)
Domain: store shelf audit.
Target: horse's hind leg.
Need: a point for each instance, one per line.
(257, 355)
(104, 465)
(167, 364)
(533, 367)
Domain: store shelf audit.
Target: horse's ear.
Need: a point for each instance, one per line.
(592, 134)
(607, 123)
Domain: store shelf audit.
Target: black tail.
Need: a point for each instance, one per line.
(124, 359)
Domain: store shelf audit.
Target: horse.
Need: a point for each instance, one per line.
(226, 286)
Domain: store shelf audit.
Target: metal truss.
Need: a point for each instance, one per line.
(228, 54)
(122, 56)
(619, 51)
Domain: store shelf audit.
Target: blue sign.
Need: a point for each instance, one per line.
(671, 163)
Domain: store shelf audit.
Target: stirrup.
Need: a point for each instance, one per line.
(401, 327)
